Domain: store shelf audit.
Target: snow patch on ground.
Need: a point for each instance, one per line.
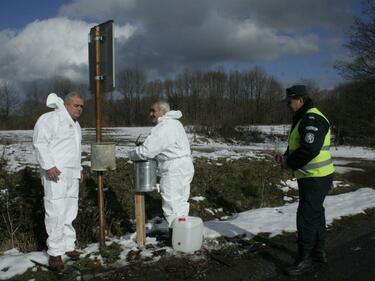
(13, 262)
(270, 220)
(279, 219)
(344, 170)
(197, 198)
(357, 152)
(16, 146)
(287, 185)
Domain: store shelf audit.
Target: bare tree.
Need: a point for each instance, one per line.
(260, 79)
(9, 220)
(62, 85)
(9, 100)
(361, 46)
(132, 85)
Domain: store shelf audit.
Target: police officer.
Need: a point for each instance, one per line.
(309, 158)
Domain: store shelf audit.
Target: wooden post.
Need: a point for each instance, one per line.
(140, 218)
(98, 114)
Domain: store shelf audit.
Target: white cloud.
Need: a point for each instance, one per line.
(246, 40)
(286, 14)
(174, 35)
(164, 37)
(48, 48)
(122, 33)
(95, 8)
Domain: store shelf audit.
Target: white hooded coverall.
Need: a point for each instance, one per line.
(169, 144)
(57, 141)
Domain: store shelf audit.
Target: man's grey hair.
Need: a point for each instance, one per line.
(68, 98)
(163, 106)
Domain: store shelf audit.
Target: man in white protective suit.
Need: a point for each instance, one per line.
(57, 141)
(168, 143)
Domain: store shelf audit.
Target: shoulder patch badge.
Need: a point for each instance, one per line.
(309, 138)
(312, 128)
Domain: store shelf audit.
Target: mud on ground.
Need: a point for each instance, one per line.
(350, 248)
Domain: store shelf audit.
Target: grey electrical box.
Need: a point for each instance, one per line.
(107, 56)
(103, 156)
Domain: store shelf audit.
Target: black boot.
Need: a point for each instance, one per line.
(318, 254)
(169, 241)
(302, 264)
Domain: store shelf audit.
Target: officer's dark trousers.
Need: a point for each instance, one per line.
(311, 221)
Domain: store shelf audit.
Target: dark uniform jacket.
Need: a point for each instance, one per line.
(312, 130)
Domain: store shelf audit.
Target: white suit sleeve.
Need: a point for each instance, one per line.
(41, 139)
(80, 148)
(159, 139)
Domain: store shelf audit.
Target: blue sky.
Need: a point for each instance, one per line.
(18, 13)
(290, 39)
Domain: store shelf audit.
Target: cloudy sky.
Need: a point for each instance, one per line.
(290, 39)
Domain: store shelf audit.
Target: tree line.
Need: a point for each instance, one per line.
(213, 99)
(207, 98)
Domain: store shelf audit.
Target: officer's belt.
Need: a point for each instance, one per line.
(324, 148)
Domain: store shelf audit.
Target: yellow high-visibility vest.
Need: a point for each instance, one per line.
(322, 164)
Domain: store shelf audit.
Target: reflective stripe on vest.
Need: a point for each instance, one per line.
(322, 164)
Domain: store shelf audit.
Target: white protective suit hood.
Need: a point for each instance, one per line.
(173, 114)
(53, 101)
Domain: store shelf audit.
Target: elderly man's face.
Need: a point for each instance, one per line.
(295, 104)
(155, 113)
(75, 107)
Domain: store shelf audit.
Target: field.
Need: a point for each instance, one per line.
(237, 190)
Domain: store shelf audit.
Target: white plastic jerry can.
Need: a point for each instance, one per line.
(187, 234)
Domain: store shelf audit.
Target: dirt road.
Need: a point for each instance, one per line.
(350, 247)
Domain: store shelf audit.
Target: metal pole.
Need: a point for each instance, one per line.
(98, 114)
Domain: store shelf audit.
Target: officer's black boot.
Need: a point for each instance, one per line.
(318, 254)
(302, 264)
(169, 241)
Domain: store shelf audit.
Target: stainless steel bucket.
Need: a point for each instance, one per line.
(145, 175)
